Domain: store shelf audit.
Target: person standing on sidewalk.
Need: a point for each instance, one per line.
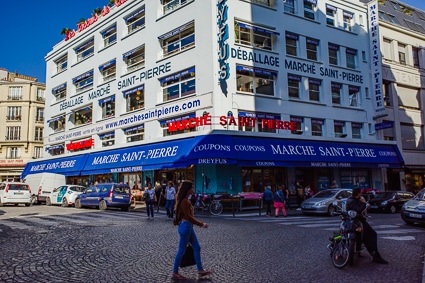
(185, 221)
(279, 201)
(170, 196)
(149, 196)
(268, 198)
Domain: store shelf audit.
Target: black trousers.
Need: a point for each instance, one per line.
(370, 238)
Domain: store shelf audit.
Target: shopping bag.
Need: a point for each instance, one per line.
(188, 258)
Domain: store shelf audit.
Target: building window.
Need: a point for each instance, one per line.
(178, 85)
(39, 115)
(353, 95)
(299, 125)
(330, 15)
(14, 113)
(61, 63)
(38, 152)
(408, 97)
(386, 49)
(176, 125)
(336, 93)
(82, 116)
(347, 20)
(253, 36)
(57, 123)
(294, 86)
(269, 3)
(178, 40)
(312, 46)
(415, 56)
(383, 16)
(333, 53)
(85, 50)
(15, 93)
(135, 98)
(59, 92)
(314, 89)
(38, 134)
(171, 5)
(135, 58)
(254, 80)
(107, 139)
(386, 86)
(13, 133)
(83, 82)
(317, 127)
(109, 35)
(57, 149)
(136, 20)
(256, 122)
(393, 19)
(339, 127)
(356, 130)
(108, 70)
(41, 94)
(411, 137)
(402, 53)
(309, 9)
(13, 153)
(290, 6)
(351, 55)
(291, 43)
(134, 133)
(108, 107)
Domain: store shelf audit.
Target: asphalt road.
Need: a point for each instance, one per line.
(54, 244)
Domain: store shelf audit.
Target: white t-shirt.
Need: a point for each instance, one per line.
(170, 193)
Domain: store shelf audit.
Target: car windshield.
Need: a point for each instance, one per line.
(385, 195)
(326, 194)
(420, 195)
(17, 187)
(77, 189)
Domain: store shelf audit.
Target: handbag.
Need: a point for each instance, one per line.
(188, 258)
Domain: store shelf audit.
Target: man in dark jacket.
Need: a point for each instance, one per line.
(370, 239)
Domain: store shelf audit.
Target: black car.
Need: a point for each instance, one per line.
(389, 201)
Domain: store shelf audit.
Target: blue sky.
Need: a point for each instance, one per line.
(31, 28)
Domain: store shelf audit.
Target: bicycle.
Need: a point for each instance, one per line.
(205, 203)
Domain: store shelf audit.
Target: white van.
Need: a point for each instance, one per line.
(42, 185)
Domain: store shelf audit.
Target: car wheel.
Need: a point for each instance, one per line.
(102, 205)
(408, 222)
(65, 202)
(331, 210)
(28, 204)
(48, 202)
(393, 209)
(77, 203)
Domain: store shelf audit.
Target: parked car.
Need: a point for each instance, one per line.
(64, 195)
(15, 193)
(414, 209)
(321, 203)
(391, 201)
(105, 195)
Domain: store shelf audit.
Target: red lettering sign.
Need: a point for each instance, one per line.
(80, 145)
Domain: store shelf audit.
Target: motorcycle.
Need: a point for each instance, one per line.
(346, 242)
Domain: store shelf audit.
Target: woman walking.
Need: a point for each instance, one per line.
(150, 199)
(185, 221)
(279, 201)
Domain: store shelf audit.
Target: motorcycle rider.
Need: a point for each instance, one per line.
(357, 203)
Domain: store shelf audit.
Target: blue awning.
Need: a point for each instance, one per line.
(83, 76)
(172, 120)
(129, 18)
(81, 47)
(177, 75)
(133, 90)
(107, 135)
(109, 30)
(107, 64)
(68, 166)
(256, 70)
(55, 89)
(55, 119)
(259, 115)
(54, 147)
(107, 99)
(174, 32)
(254, 28)
(136, 128)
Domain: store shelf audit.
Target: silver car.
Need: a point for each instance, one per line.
(321, 203)
(15, 193)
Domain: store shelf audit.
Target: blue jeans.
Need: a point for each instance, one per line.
(169, 205)
(187, 235)
(149, 208)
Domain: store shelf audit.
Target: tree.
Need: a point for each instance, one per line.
(64, 31)
(97, 11)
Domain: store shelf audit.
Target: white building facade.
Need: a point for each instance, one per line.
(232, 94)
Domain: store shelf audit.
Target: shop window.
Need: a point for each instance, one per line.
(178, 85)
(178, 40)
(402, 53)
(61, 63)
(108, 139)
(60, 92)
(299, 125)
(108, 70)
(294, 86)
(317, 127)
(109, 36)
(108, 107)
(135, 98)
(347, 19)
(254, 36)
(83, 82)
(339, 129)
(291, 44)
(290, 6)
(256, 122)
(330, 15)
(13, 153)
(254, 80)
(56, 149)
(356, 130)
(314, 89)
(333, 51)
(134, 133)
(310, 9)
(312, 47)
(171, 5)
(351, 55)
(38, 152)
(176, 125)
(353, 95)
(13, 133)
(353, 178)
(336, 93)
(85, 50)
(135, 58)
(14, 113)
(38, 135)
(39, 116)
(15, 93)
(57, 123)
(136, 20)
(82, 116)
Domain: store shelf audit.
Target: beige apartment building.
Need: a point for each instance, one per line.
(21, 122)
